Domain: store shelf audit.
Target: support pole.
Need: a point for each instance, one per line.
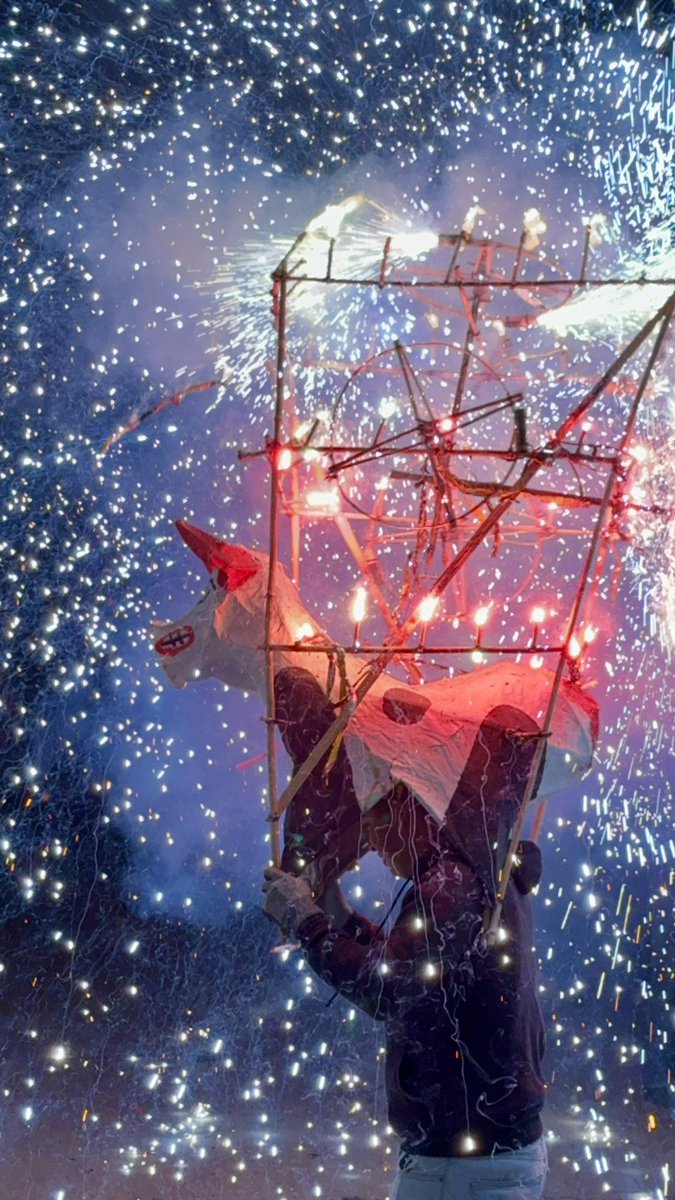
(586, 252)
(280, 299)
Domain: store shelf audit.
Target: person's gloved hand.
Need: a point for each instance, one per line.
(288, 900)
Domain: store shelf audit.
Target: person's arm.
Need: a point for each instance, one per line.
(379, 972)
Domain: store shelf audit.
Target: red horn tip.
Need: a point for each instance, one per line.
(234, 564)
(201, 543)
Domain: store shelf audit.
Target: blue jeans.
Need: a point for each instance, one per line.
(514, 1175)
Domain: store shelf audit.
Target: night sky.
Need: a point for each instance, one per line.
(158, 160)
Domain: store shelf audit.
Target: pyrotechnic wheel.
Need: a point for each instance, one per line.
(421, 437)
(404, 413)
(425, 439)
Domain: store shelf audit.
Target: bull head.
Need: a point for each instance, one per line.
(220, 636)
(224, 633)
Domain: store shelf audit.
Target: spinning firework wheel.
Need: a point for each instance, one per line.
(442, 436)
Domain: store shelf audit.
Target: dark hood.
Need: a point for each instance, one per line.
(486, 801)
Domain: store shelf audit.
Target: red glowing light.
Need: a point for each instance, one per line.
(427, 607)
(574, 647)
(481, 616)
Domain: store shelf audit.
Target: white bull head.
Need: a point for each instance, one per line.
(224, 634)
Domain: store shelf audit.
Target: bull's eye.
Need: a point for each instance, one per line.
(217, 583)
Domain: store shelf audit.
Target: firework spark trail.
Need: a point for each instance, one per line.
(245, 319)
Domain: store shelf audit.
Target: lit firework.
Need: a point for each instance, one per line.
(243, 312)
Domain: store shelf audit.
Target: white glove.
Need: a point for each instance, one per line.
(288, 900)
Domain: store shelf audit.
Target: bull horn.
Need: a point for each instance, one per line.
(234, 564)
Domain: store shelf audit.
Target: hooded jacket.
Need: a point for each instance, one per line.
(464, 1031)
